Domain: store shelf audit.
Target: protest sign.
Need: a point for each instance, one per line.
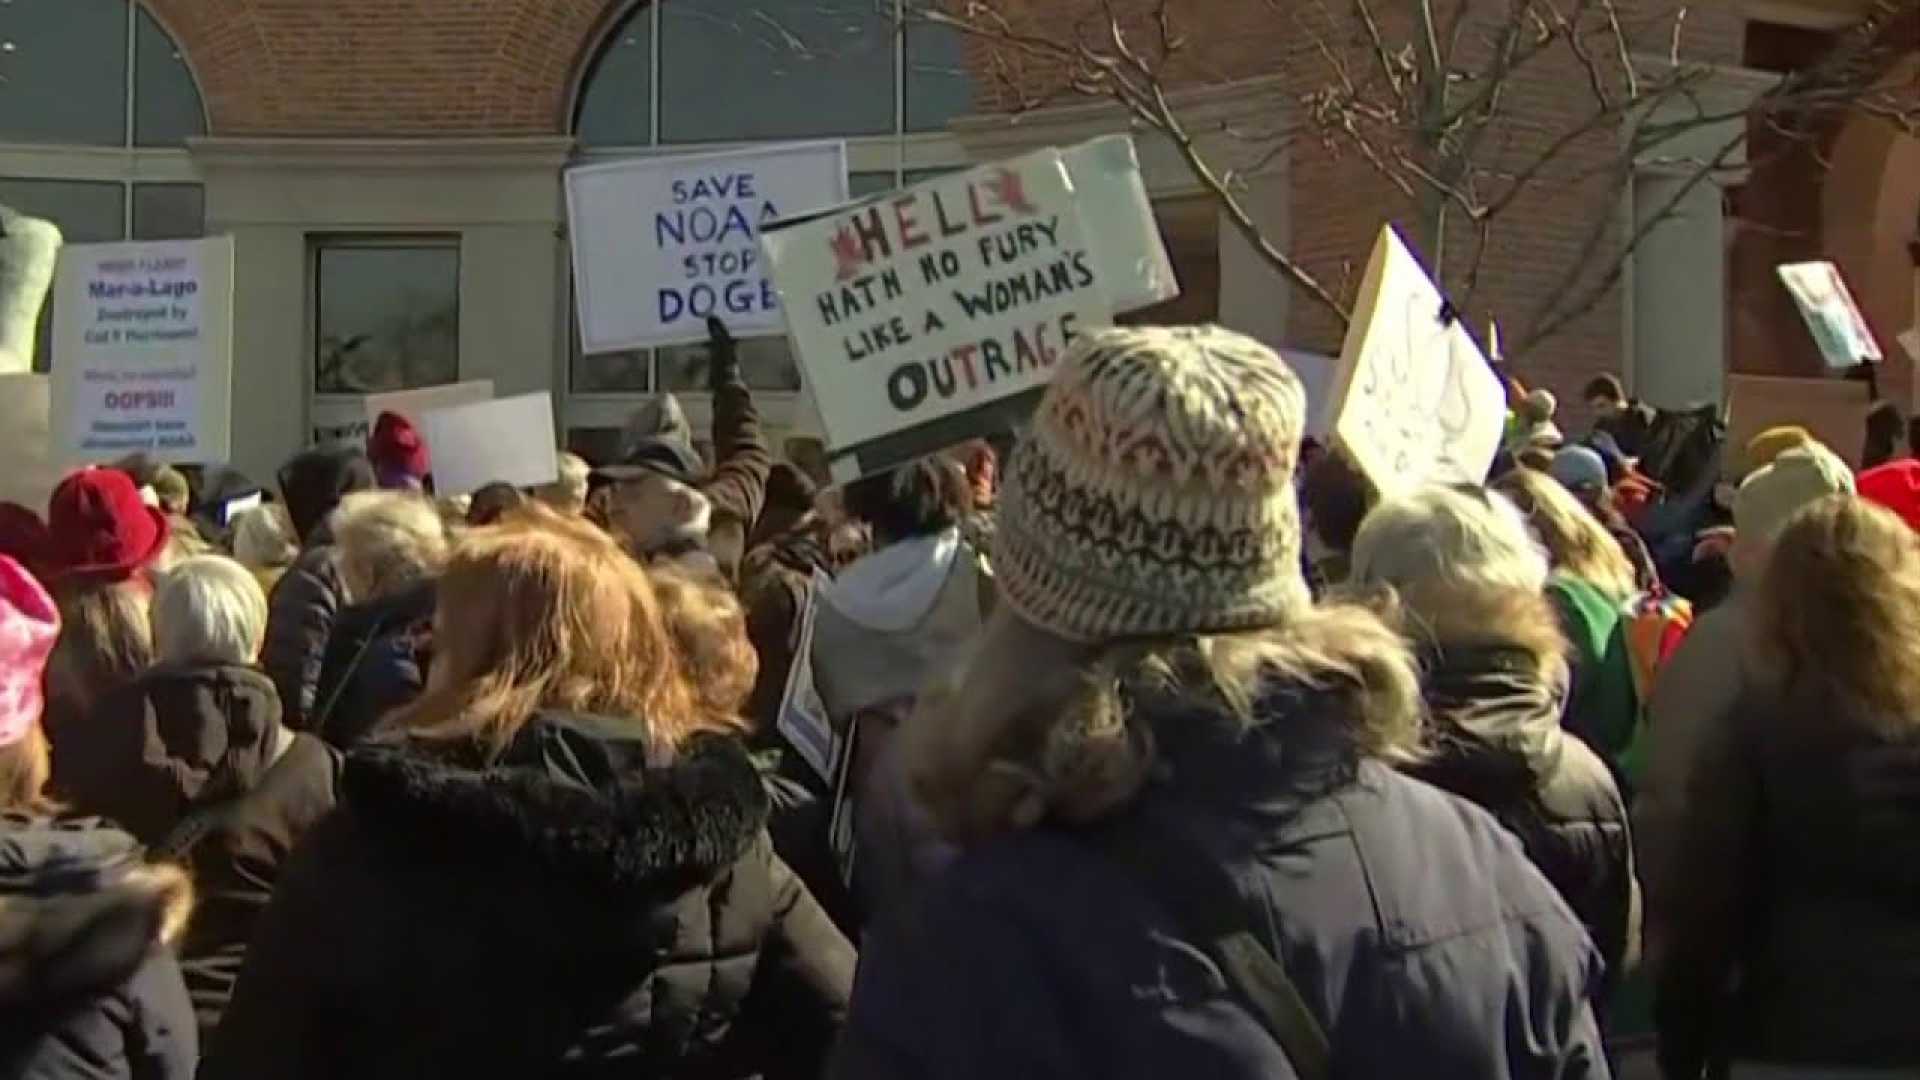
(1315, 371)
(661, 243)
(142, 350)
(1834, 410)
(803, 719)
(923, 316)
(1910, 341)
(28, 471)
(1117, 220)
(413, 404)
(1414, 401)
(338, 420)
(507, 441)
(1838, 327)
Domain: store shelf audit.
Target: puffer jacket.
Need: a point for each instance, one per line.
(1421, 939)
(194, 762)
(310, 595)
(375, 662)
(88, 991)
(1798, 867)
(1497, 742)
(562, 910)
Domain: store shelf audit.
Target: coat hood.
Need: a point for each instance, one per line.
(1495, 720)
(658, 438)
(895, 620)
(315, 481)
(573, 799)
(894, 588)
(172, 739)
(79, 911)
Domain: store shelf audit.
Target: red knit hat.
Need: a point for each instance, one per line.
(396, 447)
(98, 527)
(1896, 486)
(29, 625)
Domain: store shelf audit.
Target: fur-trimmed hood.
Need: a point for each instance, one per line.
(79, 910)
(573, 798)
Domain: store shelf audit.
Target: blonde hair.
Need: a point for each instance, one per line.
(209, 609)
(263, 537)
(1838, 609)
(1575, 540)
(25, 768)
(389, 542)
(1089, 750)
(709, 629)
(568, 494)
(545, 612)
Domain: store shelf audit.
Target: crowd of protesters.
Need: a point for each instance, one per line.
(1164, 743)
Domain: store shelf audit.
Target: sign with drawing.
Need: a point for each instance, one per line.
(1827, 306)
(1415, 402)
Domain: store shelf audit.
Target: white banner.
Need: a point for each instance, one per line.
(934, 302)
(28, 472)
(507, 441)
(661, 243)
(1414, 400)
(1838, 328)
(142, 350)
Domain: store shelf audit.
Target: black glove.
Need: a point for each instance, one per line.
(723, 354)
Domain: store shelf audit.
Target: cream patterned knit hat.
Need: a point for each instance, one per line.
(1154, 495)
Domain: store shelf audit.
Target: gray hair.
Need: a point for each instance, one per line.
(263, 537)
(569, 493)
(389, 542)
(209, 609)
(1441, 539)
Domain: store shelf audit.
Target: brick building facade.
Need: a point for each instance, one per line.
(390, 171)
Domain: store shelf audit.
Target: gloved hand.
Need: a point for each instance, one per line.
(723, 354)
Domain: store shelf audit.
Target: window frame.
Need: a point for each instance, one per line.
(327, 402)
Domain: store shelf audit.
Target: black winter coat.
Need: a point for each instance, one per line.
(1798, 868)
(564, 910)
(300, 618)
(1498, 743)
(1420, 937)
(193, 760)
(375, 662)
(87, 990)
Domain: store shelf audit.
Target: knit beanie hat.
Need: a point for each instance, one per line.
(1154, 493)
(1770, 444)
(1896, 486)
(1796, 479)
(29, 625)
(400, 456)
(1579, 470)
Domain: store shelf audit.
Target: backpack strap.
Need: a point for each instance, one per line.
(1201, 898)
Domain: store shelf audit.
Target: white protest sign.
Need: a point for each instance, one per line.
(1316, 371)
(414, 404)
(1414, 401)
(28, 471)
(1117, 219)
(803, 719)
(1910, 341)
(143, 350)
(660, 243)
(918, 312)
(507, 441)
(1838, 327)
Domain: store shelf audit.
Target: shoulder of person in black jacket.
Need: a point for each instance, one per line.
(301, 611)
(456, 917)
(374, 663)
(87, 985)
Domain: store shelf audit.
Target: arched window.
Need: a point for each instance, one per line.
(96, 105)
(670, 76)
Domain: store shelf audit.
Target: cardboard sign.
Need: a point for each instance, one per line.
(920, 315)
(1838, 327)
(1414, 401)
(803, 719)
(413, 404)
(142, 350)
(661, 243)
(1834, 410)
(508, 441)
(28, 472)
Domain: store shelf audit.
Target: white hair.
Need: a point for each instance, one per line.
(208, 609)
(569, 493)
(1442, 538)
(263, 537)
(389, 541)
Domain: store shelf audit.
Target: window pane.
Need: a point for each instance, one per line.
(87, 213)
(939, 86)
(597, 445)
(611, 373)
(792, 68)
(862, 184)
(767, 364)
(169, 211)
(617, 101)
(63, 71)
(166, 103)
(387, 317)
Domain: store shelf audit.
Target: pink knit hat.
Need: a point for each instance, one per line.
(29, 623)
